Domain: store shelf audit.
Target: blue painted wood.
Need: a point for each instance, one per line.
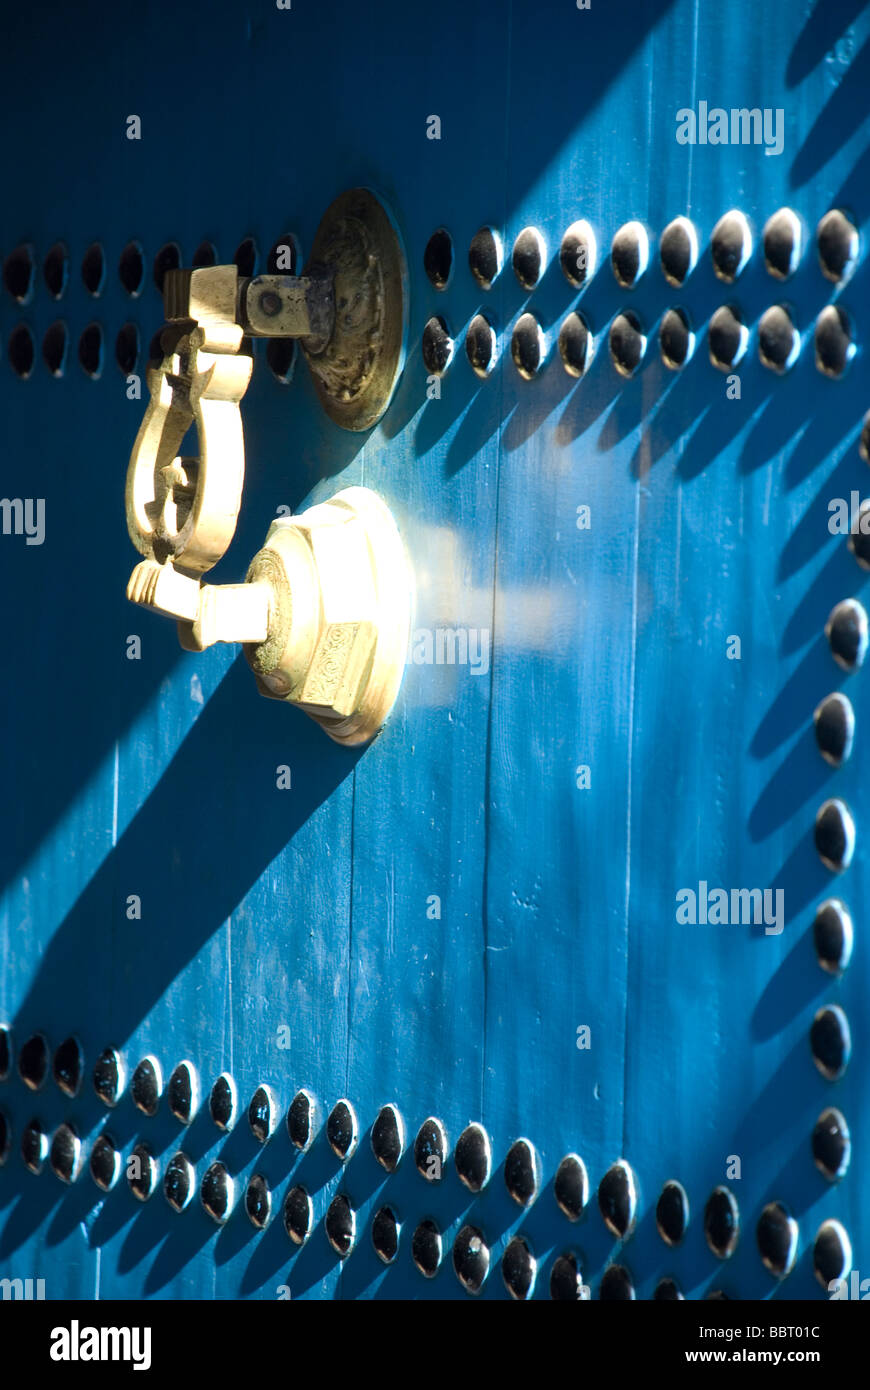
(312, 908)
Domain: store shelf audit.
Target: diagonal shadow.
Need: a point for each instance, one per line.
(198, 844)
(821, 31)
(835, 123)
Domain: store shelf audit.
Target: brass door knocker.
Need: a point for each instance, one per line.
(325, 609)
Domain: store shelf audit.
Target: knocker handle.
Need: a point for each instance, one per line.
(324, 612)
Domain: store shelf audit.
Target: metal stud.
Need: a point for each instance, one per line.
(258, 1201)
(721, 1222)
(342, 1129)
(832, 1254)
(473, 1157)
(54, 348)
(183, 1092)
(167, 258)
(55, 269)
(777, 1237)
(67, 1066)
(522, 1172)
(34, 1147)
(629, 254)
(385, 1234)
(21, 351)
(340, 1224)
(298, 1213)
(835, 835)
(730, 245)
(576, 344)
(33, 1062)
(5, 1052)
(179, 1181)
(578, 253)
(832, 1144)
(146, 1085)
(471, 1258)
(834, 721)
(837, 239)
(246, 257)
(427, 1248)
(831, 1041)
(223, 1102)
(388, 1138)
(205, 255)
(859, 537)
(481, 345)
(90, 351)
(131, 268)
(627, 343)
(667, 1291)
(302, 1120)
(833, 935)
(94, 269)
(437, 346)
(486, 256)
(281, 358)
(529, 257)
(430, 1149)
(672, 1212)
(834, 341)
(141, 1172)
(566, 1280)
(571, 1186)
(617, 1199)
(782, 238)
(263, 1114)
(105, 1162)
(18, 273)
(519, 1269)
(678, 250)
(676, 339)
(438, 258)
(778, 340)
(217, 1193)
(727, 337)
(847, 634)
(616, 1285)
(528, 346)
(56, 343)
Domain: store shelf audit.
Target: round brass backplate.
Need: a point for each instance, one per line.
(356, 372)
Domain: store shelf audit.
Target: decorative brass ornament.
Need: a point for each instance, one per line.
(324, 613)
(356, 371)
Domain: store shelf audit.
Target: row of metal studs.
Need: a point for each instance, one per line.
(21, 351)
(731, 246)
(728, 337)
(19, 278)
(617, 1193)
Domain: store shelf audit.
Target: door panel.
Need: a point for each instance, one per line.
(434, 920)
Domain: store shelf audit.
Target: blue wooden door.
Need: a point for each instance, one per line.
(622, 586)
